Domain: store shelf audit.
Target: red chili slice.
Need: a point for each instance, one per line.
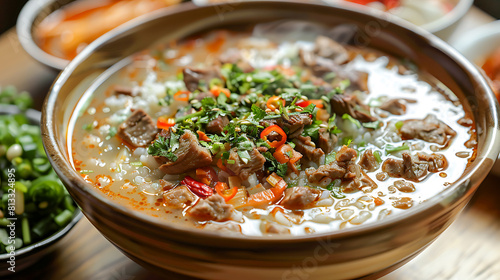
(197, 188)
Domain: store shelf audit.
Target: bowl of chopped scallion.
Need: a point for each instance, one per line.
(35, 209)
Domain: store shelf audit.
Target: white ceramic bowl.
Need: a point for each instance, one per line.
(476, 45)
(442, 27)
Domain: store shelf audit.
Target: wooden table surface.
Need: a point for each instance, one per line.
(468, 249)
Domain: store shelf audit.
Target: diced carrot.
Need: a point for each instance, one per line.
(216, 90)
(273, 102)
(282, 154)
(378, 201)
(262, 198)
(182, 95)
(202, 136)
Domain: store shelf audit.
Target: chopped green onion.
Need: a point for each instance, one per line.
(136, 164)
(63, 218)
(378, 156)
(399, 125)
(392, 149)
(352, 120)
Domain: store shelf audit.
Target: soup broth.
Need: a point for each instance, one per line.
(256, 134)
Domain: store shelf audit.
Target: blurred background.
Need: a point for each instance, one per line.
(9, 9)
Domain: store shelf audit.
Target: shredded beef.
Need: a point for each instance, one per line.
(429, 129)
(138, 130)
(190, 155)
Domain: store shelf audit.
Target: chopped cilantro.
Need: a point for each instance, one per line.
(162, 146)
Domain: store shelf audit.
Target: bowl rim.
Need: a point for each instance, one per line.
(454, 15)
(24, 26)
(35, 116)
(70, 177)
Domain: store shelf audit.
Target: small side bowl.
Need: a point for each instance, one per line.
(29, 255)
(30, 16)
(476, 45)
(442, 27)
(34, 12)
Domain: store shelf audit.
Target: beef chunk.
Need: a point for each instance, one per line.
(328, 48)
(408, 168)
(346, 154)
(429, 129)
(299, 197)
(294, 126)
(306, 147)
(123, 90)
(179, 197)
(350, 104)
(213, 208)
(242, 169)
(326, 140)
(343, 168)
(394, 106)
(325, 58)
(138, 130)
(332, 170)
(216, 126)
(368, 161)
(437, 162)
(190, 155)
(193, 77)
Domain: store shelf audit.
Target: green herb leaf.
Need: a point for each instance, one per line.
(352, 120)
